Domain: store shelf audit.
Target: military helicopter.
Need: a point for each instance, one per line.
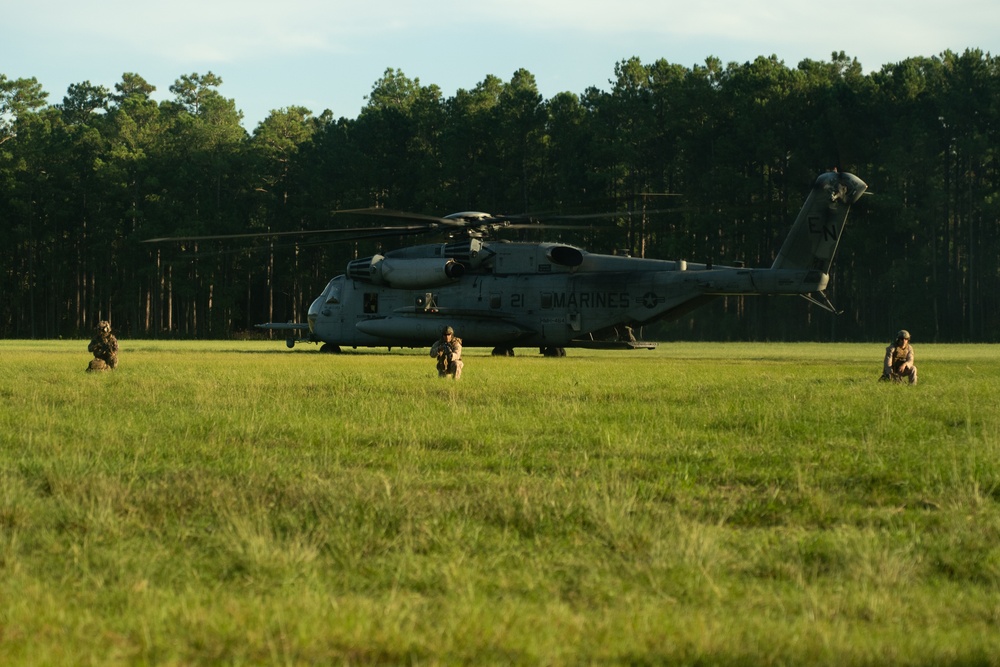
(545, 295)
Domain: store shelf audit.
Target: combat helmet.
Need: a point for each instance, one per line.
(903, 333)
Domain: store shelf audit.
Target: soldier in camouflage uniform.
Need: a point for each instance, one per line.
(104, 347)
(448, 351)
(898, 363)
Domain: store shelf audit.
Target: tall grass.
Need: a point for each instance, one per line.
(238, 503)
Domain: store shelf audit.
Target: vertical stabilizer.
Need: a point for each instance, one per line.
(816, 232)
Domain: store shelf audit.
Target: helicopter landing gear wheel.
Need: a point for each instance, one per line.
(554, 351)
(503, 352)
(330, 349)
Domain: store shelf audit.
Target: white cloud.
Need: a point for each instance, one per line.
(225, 31)
(329, 52)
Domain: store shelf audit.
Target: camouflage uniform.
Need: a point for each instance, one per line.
(104, 347)
(898, 362)
(448, 351)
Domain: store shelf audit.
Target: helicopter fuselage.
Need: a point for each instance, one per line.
(526, 294)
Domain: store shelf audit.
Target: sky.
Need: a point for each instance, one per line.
(328, 54)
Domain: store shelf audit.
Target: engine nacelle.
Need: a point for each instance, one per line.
(564, 255)
(416, 273)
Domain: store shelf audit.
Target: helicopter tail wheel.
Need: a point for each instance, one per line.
(330, 349)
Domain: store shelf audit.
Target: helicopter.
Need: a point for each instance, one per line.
(549, 295)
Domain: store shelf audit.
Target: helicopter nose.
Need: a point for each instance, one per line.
(313, 314)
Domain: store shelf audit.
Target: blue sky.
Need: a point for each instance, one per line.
(327, 54)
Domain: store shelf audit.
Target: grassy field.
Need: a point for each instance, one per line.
(239, 503)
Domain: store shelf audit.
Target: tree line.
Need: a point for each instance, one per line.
(711, 162)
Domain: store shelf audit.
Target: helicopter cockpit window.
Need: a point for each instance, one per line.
(332, 291)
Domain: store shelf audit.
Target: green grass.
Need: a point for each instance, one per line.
(238, 503)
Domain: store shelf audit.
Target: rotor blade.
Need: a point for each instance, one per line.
(389, 213)
(609, 214)
(389, 231)
(543, 225)
(203, 253)
(486, 220)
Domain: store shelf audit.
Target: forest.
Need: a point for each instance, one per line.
(714, 159)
